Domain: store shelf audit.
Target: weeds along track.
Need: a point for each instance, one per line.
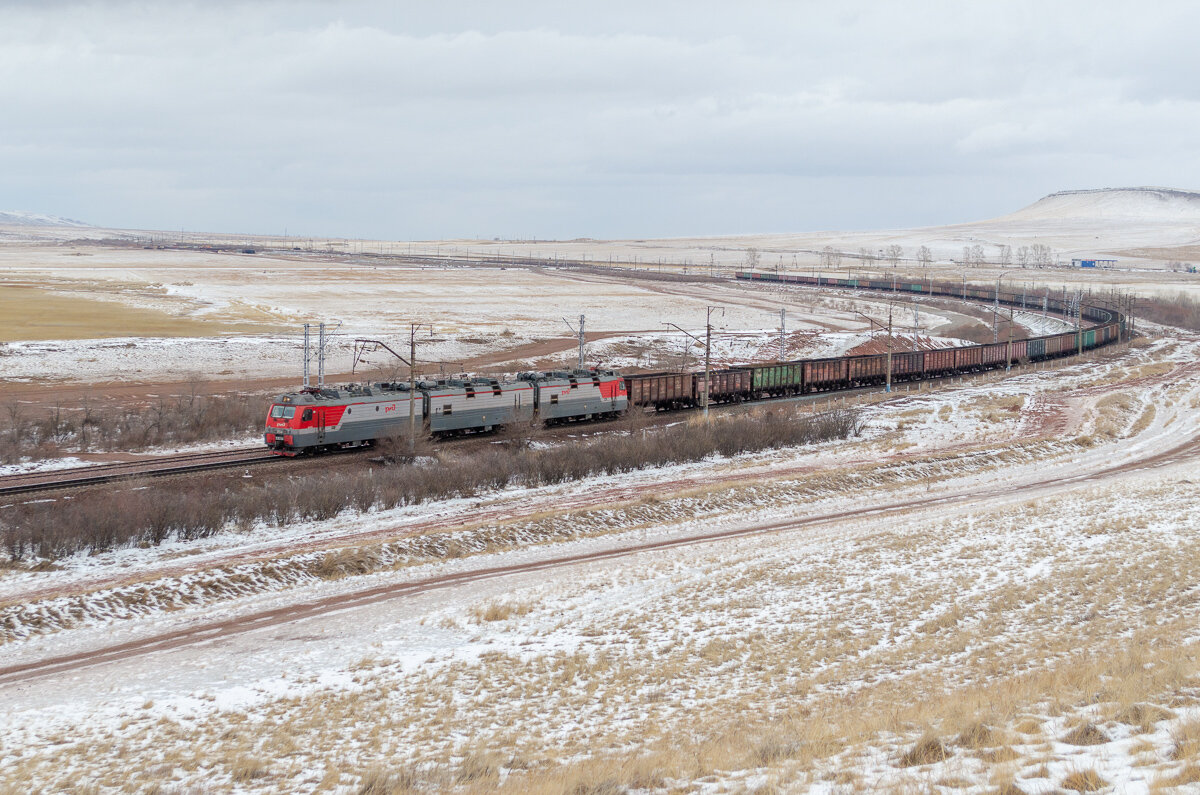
(156, 467)
(209, 631)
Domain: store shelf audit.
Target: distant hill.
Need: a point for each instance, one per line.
(1147, 204)
(20, 218)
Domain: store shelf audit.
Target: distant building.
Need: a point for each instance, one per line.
(1093, 263)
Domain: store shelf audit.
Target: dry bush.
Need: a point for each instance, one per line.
(1181, 310)
(1190, 774)
(998, 755)
(1143, 716)
(396, 448)
(99, 521)
(977, 735)
(928, 749)
(1083, 781)
(1186, 737)
(381, 781)
(247, 768)
(1086, 734)
(478, 767)
(499, 611)
(184, 419)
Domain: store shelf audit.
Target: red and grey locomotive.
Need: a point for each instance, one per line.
(316, 419)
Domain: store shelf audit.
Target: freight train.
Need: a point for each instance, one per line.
(318, 419)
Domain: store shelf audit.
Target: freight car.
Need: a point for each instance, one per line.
(313, 420)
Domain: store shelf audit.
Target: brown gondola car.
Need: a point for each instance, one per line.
(969, 358)
(939, 361)
(661, 390)
(994, 353)
(728, 386)
(867, 369)
(907, 364)
(824, 374)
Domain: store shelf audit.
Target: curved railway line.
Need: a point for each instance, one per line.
(186, 463)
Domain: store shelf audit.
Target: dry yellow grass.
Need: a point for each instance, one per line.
(499, 611)
(1087, 780)
(33, 313)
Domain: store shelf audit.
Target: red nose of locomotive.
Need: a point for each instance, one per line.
(281, 419)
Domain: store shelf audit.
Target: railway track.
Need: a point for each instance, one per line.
(186, 463)
(11, 485)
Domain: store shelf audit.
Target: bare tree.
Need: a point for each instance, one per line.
(924, 256)
(1042, 256)
(1023, 256)
(751, 259)
(966, 256)
(1006, 256)
(977, 255)
(830, 258)
(894, 253)
(866, 256)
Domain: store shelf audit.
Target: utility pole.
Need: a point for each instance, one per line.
(782, 333)
(996, 314)
(889, 349)
(916, 323)
(872, 321)
(412, 389)
(581, 337)
(707, 351)
(412, 386)
(1008, 357)
(1079, 322)
(321, 357)
(306, 356)
(708, 357)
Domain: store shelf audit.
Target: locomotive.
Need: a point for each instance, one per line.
(316, 419)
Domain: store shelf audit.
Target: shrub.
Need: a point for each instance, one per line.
(1180, 310)
(96, 521)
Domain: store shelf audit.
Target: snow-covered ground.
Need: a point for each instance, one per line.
(989, 588)
(714, 653)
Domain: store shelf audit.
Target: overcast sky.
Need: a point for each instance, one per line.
(559, 120)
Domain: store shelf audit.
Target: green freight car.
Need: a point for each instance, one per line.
(772, 380)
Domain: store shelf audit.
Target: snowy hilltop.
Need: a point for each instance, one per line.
(1148, 203)
(20, 218)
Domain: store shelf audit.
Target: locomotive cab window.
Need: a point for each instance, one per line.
(307, 415)
(283, 412)
(447, 409)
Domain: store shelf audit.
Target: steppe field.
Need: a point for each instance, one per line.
(984, 584)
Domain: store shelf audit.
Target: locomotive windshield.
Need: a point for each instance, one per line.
(283, 412)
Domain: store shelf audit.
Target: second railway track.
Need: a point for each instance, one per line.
(78, 477)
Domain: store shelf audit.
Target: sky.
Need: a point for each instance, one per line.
(559, 120)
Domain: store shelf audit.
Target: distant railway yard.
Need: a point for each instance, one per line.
(648, 602)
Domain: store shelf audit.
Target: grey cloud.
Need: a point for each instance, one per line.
(399, 119)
